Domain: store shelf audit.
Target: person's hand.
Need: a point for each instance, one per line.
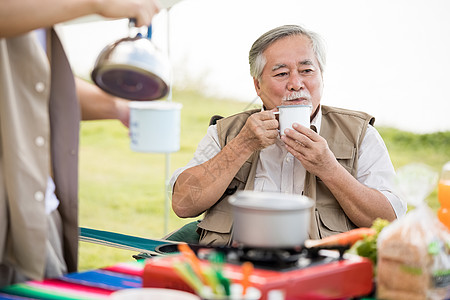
(142, 10)
(310, 149)
(260, 130)
(123, 111)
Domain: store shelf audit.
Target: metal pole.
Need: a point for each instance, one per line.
(166, 196)
(167, 175)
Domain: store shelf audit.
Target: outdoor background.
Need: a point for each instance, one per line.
(388, 58)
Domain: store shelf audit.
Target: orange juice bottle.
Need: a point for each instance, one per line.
(444, 195)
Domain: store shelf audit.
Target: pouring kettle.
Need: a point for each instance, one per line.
(133, 68)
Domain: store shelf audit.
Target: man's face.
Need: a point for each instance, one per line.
(291, 74)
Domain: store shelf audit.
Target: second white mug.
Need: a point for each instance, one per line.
(155, 126)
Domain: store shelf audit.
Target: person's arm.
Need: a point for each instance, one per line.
(20, 16)
(96, 104)
(200, 187)
(359, 202)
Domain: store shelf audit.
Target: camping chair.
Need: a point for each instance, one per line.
(147, 247)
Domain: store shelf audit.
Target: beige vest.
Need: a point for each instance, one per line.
(39, 127)
(343, 130)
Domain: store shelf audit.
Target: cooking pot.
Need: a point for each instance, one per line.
(133, 68)
(270, 220)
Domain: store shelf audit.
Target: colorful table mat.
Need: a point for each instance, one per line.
(95, 284)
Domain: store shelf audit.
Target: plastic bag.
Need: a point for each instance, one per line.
(414, 257)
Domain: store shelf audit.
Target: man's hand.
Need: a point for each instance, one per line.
(359, 202)
(260, 131)
(311, 150)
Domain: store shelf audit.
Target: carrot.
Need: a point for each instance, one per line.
(247, 269)
(344, 238)
(192, 259)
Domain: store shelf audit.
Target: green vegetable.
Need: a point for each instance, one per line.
(367, 247)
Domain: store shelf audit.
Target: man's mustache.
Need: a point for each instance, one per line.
(297, 95)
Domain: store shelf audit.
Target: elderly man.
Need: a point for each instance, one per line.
(340, 162)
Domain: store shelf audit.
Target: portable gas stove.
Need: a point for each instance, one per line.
(307, 273)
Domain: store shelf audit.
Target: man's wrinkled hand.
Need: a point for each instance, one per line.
(260, 130)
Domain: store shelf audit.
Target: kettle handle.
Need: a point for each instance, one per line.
(132, 24)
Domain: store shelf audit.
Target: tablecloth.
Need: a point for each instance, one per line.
(93, 284)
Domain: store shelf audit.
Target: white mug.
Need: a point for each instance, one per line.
(155, 126)
(290, 114)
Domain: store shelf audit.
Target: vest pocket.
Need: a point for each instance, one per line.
(345, 155)
(331, 220)
(215, 228)
(218, 221)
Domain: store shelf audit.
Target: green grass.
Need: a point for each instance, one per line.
(432, 149)
(123, 191)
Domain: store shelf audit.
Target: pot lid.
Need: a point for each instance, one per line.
(270, 201)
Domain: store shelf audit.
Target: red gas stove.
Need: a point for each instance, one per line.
(300, 274)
